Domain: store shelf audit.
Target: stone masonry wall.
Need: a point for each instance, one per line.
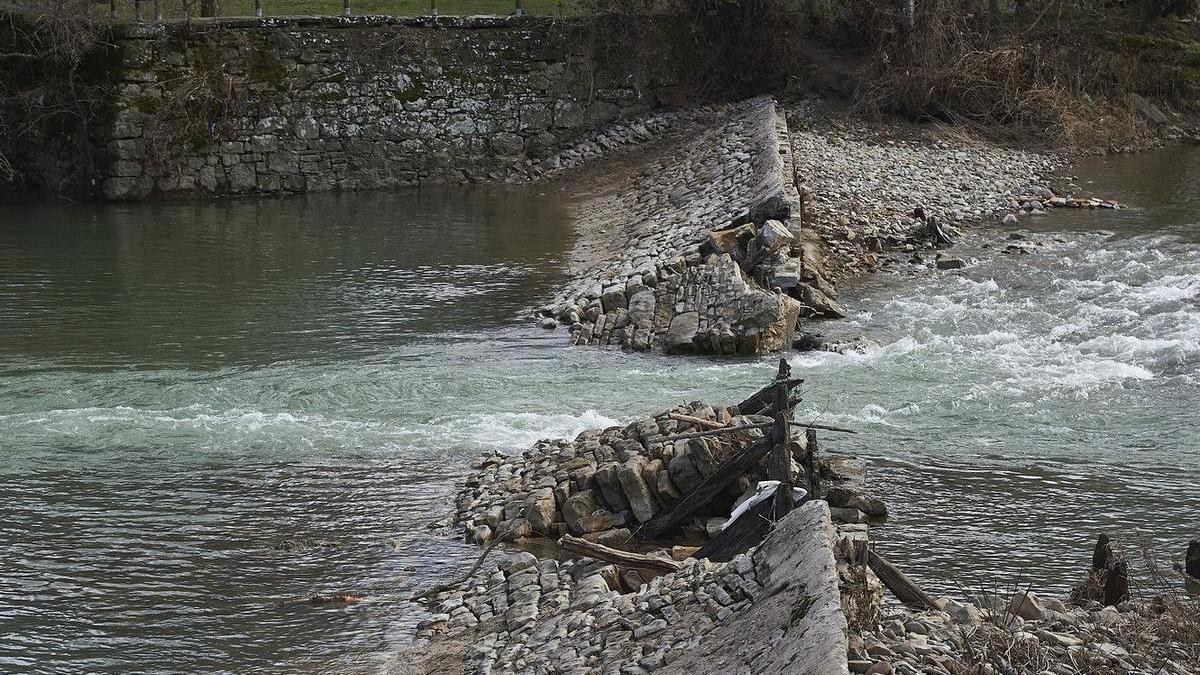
(303, 104)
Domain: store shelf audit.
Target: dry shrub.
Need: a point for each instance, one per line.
(1045, 82)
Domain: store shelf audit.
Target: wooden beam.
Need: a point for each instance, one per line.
(763, 398)
(905, 589)
(698, 421)
(710, 432)
(590, 549)
(710, 487)
(823, 427)
(742, 534)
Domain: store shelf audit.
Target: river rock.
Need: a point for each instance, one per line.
(681, 333)
(641, 309)
(774, 236)
(577, 507)
(844, 496)
(539, 510)
(637, 493)
(1027, 606)
(610, 487)
(599, 521)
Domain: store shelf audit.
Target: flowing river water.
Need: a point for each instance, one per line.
(210, 412)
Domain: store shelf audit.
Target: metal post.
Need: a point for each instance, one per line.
(432, 7)
(517, 11)
(258, 9)
(345, 7)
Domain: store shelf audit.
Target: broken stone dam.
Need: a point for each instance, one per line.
(211, 412)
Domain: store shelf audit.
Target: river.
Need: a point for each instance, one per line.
(210, 412)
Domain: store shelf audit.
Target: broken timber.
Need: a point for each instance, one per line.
(583, 547)
(749, 529)
(905, 589)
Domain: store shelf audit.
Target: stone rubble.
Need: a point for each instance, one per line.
(1025, 634)
(861, 183)
(772, 610)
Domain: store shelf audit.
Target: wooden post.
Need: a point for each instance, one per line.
(905, 589)
(345, 7)
(1191, 562)
(157, 11)
(137, 11)
(810, 464)
(112, 9)
(517, 10)
(208, 8)
(258, 9)
(432, 7)
(779, 463)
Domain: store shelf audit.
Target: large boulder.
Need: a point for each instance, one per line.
(681, 333)
(844, 496)
(539, 509)
(641, 309)
(577, 507)
(641, 501)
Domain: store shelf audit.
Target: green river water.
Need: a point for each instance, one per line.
(185, 387)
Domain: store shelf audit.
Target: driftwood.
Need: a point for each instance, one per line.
(710, 432)
(461, 580)
(823, 427)
(809, 463)
(712, 486)
(698, 421)
(590, 549)
(905, 589)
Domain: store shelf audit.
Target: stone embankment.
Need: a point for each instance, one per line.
(701, 250)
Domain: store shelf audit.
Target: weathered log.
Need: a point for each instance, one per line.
(590, 549)
(823, 427)
(709, 432)
(765, 397)
(813, 481)
(698, 421)
(710, 487)
(905, 589)
(742, 534)
(1191, 561)
(779, 463)
(1108, 580)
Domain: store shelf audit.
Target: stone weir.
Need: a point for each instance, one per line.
(702, 250)
(777, 609)
(633, 595)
